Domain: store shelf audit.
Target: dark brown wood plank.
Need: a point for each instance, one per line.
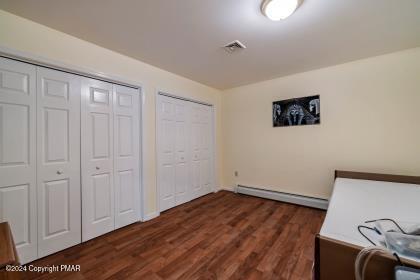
(378, 177)
(219, 236)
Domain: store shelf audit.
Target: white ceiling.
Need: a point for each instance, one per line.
(185, 36)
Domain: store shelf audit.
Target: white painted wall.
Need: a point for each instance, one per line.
(369, 122)
(23, 35)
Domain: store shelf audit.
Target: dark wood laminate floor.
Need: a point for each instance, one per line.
(219, 236)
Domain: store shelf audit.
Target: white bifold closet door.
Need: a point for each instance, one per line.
(97, 159)
(173, 171)
(126, 155)
(185, 152)
(58, 160)
(69, 157)
(18, 154)
(110, 157)
(201, 137)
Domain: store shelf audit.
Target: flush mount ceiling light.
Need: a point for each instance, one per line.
(279, 9)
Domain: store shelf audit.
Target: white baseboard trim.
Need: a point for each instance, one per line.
(285, 197)
(151, 216)
(224, 189)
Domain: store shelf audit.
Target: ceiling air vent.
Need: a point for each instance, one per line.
(234, 46)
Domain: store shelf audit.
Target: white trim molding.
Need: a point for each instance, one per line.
(38, 60)
(284, 197)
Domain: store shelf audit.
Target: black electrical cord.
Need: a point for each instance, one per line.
(390, 220)
(398, 259)
(359, 228)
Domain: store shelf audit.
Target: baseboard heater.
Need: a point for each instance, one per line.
(285, 197)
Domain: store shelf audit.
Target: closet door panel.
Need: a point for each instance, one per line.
(56, 210)
(206, 151)
(167, 184)
(166, 151)
(126, 162)
(15, 206)
(195, 178)
(58, 160)
(202, 151)
(14, 145)
(56, 135)
(196, 135)
(182, 183)
(18, 154)
(100, 125)
(127, 193)
(102, 196)
(97, 159)
(174, 155)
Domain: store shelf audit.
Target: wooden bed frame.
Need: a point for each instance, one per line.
(335, 259)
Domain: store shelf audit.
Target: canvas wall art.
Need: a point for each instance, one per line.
(297, 111)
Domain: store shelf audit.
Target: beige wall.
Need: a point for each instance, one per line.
(370, 121)
(23, 35)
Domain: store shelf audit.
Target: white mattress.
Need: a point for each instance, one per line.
(355, 201)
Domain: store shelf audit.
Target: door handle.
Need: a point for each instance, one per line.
(59, 172)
